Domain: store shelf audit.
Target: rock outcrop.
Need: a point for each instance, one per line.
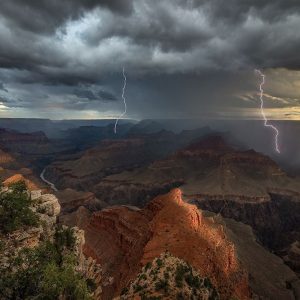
(9, 137)
(47, 208)
(168, 277)
(19, 177)
(70, 200)
(123, 239)
(269, 277)
(208, 169)
(112, 156)
(80, 218)
(6, 158)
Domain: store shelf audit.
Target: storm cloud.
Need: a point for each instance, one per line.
(70, 54)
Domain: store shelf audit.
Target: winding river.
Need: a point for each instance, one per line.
(47, 181)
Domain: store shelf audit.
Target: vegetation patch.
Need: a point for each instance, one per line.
(15, 209)
(45, 272)
(169, 277)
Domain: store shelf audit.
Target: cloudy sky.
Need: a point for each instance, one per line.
(64, 59)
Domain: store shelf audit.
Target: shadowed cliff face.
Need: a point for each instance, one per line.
(122, 239)
(110, 157)
(207, 168)
(32, 150)
(276, 222)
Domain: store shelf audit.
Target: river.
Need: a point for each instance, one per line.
(52, 185)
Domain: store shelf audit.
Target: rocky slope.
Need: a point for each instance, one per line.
(32, 150)
(47, 209)
(244, 185)
(122, 239)
(70, 200)
(116, 156)
(24, 143)
(269, 277)
(125, 240)
(168, 277)
(209, 168)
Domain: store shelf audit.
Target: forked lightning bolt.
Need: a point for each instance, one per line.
(124, 100)
(261, 94)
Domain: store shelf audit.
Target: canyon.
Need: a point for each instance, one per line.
(230, 213)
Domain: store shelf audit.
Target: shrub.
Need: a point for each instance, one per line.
(179, 296)
(124, 291)
(192, 281)
(91, 284)
(18, 187)
(143, 277)
(181, 270)
(64, 238)
(207, 283)
(166, 275)
(162, 285)
(159, 262)
(43, 273)
(15, 212)
(148, 265)
(138, 288)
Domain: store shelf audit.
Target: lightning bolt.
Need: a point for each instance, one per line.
(124, 100)
(262, 109)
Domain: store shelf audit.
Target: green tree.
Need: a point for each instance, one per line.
(15, 211)
(45, 272)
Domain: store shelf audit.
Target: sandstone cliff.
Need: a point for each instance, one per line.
(122, 239)
(207, 169)
(70, 200)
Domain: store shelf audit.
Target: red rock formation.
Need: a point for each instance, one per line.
(181, 229)
(70, 200)
(18, 177)
(109, 157)
(79, 218)
(8, 137)
(122, 239)
(5, 158)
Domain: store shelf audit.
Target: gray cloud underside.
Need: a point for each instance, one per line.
(157, 36)
(76, 49)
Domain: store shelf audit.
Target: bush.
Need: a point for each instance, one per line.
(142, 277)
(124, 291)
(44, 273)
(181, 270)
(64, 238)
(207, 283)
(138, 288)
(166, 275)
(193, 281)
(148, 265)
(162, 285)
(159, 262)
(15, 212)
(91, 284)
(180, 296)
(18, 187)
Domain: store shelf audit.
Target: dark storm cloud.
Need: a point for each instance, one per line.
(75, 50)
(2, 87)
(104, 95)
(157, 36)
(45, 16)
(101, 95)
(85, 94)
